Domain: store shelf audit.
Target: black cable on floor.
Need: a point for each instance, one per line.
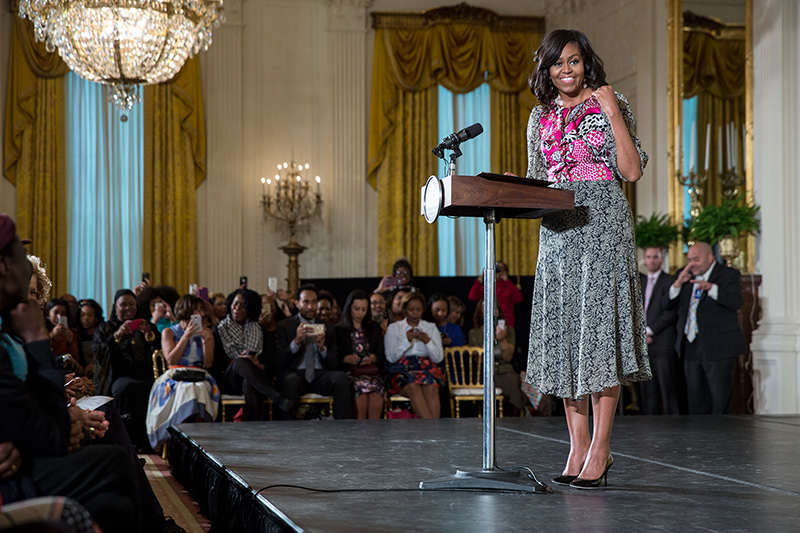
(311, 489)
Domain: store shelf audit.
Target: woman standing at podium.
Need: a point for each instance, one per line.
(587, 324)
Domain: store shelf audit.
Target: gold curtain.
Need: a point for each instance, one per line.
(457, 56)
(35, 160)
(714, 71)
(174, 165)
(517, 239)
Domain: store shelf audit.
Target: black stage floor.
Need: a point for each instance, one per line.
(731, 473)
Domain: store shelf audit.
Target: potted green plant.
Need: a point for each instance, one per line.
(655, 232)
(723, 224)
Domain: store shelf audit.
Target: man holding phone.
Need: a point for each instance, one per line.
(307, 357)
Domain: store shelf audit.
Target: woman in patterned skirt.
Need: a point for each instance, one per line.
(360, 343)
(587, 325)
(413, 354)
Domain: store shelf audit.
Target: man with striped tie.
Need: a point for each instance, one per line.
(708, 296)
(659, 394)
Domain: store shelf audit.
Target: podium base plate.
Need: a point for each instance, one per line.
(492, 480)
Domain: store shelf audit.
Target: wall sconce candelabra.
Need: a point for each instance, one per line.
(288, 200)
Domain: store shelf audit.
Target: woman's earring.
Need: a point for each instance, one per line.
(584, 85)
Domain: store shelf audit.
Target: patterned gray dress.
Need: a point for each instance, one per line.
(587, 323)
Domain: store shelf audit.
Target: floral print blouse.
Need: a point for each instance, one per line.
(577, 143)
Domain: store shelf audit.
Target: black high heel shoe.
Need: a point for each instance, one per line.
(579, 483)
(564, 480)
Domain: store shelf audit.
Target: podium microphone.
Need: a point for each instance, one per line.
(452, 141)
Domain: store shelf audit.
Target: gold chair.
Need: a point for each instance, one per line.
(312, 398)
(464, 368)
(160, 364)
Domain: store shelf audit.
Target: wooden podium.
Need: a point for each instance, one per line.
(492, 197)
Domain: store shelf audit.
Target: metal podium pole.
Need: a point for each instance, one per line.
(490, 477)
(489, 296)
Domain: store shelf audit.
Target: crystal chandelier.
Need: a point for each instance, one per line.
(124, 43)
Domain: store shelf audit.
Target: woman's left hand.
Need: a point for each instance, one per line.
(608, 100)
(352, 359)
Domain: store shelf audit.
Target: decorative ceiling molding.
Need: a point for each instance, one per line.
(557, 8)
(714, 27)
(462, 13)
(348, 15)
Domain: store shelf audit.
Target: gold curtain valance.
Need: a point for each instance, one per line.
(459, 56)
(713, 65)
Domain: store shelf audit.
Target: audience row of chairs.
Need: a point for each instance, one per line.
(463, 367)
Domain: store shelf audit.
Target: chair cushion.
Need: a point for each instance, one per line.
(312, 396)
(473, 391)
(231, 398)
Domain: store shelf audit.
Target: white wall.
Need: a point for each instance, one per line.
(8, 195)
(776, 144)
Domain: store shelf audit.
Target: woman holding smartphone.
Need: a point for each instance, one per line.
(413, 352)
(123, 364)
(186, 391)
(360, 343)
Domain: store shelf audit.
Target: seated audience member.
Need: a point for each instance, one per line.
(360, 343)
(40, 285)
(71, 301)
(439, 307)
(396, 307)
(286, 305)
(402, 279)
(63, 338)
(457, 308)
(47, 514)
(217, 301)
(505, 376)
(154, 309)
(243, 340)
(508, 295)
(377, 305)
(185, 391)
(308, 362)
(413, 352)
(36, 427)
(123, 364)
(89, 316)
(267, 320)
(170, 295)
(325, 306)
(336, 313)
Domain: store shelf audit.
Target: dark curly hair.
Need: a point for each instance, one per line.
(147, 295)
(98, 313)
(252, 303)
(548, 54)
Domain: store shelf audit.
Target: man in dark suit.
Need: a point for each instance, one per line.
(660, 322)
(709, 339)
(37, 429)
(309, 363)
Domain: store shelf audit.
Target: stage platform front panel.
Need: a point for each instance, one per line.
(724, 473)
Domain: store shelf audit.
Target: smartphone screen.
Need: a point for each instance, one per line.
(393, 281)
(63, 320)
(273, 284)
(502, 323)
(243, 281)
(193, 289)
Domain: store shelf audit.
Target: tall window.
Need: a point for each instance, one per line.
(689, 126)
(105, 161)
(461, 240)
